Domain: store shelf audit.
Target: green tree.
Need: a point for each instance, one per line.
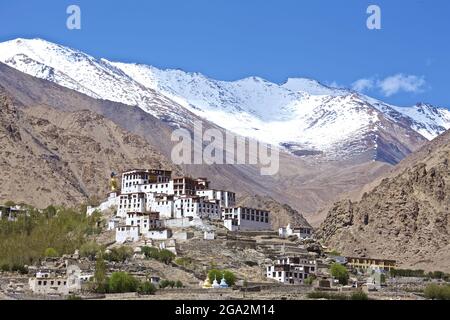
(50, 253)
(90, 250)
(100, 280)
(120, 282)
(340, 273)
(166, 256)
(178, 284)
(146, 288)
(120, 254)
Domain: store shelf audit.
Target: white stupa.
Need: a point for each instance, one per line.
(215, 284)
(223, 283)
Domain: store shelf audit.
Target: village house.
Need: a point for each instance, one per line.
(362, 264)
(301, 232)
(292, 270)
(245, 219)
(47, 282)
(11, 213)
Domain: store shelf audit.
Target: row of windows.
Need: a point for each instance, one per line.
(52, 282)
(254, 218)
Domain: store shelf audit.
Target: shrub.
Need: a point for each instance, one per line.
(166, 283)
(50, 253)
(163, 255)
(437, 292)
(309, 281)
(146, 288)
(121, 282)
(90, 250)
(359, 295)
(19, 268)
(120, 254)
(340, 273)
(326, 295)
(185, 262)
(179, 284)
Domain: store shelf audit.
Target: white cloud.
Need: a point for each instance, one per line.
(362, 85)
(391, 84)
(400, 82)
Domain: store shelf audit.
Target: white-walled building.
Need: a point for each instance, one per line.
(197, 207)
(162, 203)
(132, 202)
(133, 178)
(127, 233)
(246, 219)
(180, 202)
(301, 232)
(292, 270)
(226, 198)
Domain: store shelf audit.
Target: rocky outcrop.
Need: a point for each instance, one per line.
(405, 217)
(54, 157)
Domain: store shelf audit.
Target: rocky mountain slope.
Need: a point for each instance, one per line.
(301, 116)
(405, 217)
(283, 214)
(302, 184)
(53, 157)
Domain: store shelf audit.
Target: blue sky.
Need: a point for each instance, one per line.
(405, 62)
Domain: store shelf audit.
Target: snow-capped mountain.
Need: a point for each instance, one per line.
(301, 115)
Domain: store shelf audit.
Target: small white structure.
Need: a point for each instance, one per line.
(162, 234)
(292, 270)
(209, 235)
(51, 285)
(301, 232)
(127, 233)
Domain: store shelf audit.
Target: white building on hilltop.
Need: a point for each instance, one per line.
(179, 203)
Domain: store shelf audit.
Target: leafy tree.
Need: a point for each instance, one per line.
(340, 273)
(100, 280)
(146, 288)
(120, 282)
(90, 250)
(178, 284)
(50, 253)
(120, 254)
(166, 256)
(166, 283)
(163, 255)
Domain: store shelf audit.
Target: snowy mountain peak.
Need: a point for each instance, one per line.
(312, 87)
(302, 115)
